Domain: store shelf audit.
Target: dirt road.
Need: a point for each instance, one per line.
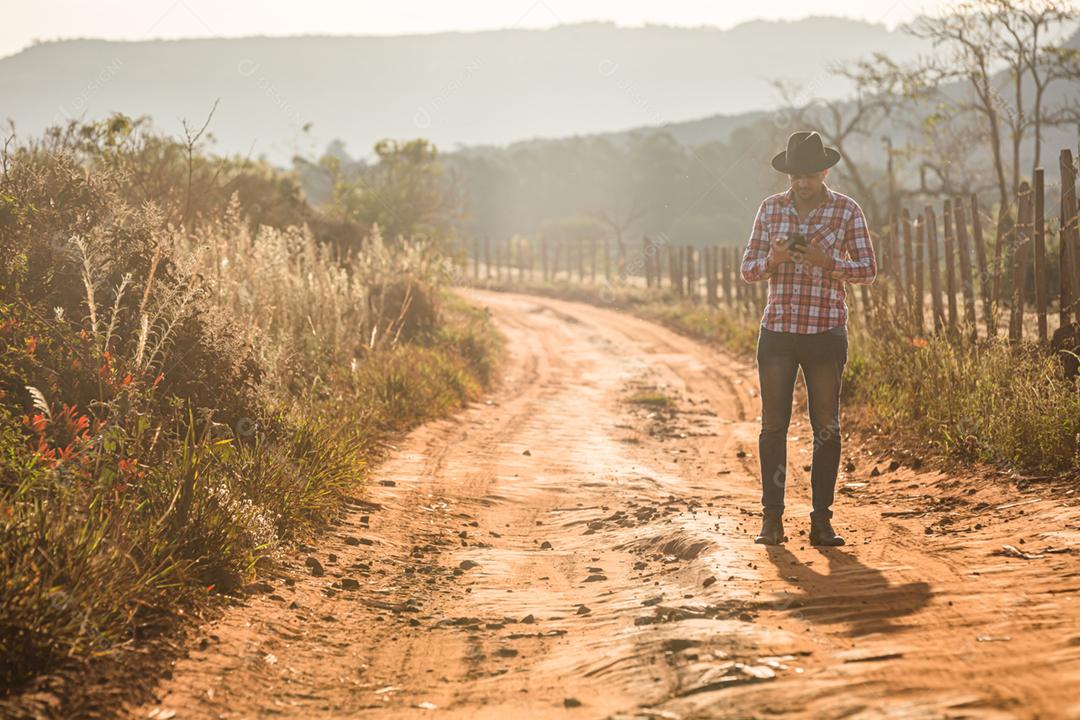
(561, 550)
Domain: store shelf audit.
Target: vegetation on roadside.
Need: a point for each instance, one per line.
(196, 369)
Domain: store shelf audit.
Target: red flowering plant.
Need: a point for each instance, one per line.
(83, 412)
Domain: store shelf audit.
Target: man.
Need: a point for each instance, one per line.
(807, 242)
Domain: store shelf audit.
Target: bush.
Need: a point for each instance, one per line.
(178, 401)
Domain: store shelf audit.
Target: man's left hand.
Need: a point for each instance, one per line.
(813, 254)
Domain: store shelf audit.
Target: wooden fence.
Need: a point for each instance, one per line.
(935, 274)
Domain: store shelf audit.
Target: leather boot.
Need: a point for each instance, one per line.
(772, 531)
(821, 533)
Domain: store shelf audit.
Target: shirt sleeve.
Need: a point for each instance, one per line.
(860, 265)
(755, 257)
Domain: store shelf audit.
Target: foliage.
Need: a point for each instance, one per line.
(186, 386)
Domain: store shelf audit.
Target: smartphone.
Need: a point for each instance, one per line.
(796, 241)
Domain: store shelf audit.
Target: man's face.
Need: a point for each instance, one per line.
(807, 187)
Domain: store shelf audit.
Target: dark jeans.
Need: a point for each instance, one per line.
(821, 357)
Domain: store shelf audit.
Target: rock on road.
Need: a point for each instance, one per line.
(574, 547)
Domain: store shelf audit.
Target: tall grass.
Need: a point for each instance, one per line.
(177, 403)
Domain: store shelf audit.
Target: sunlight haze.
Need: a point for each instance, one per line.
(131, 20)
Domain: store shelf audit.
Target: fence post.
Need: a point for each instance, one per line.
(1070, 238)
(648, 267)
(935, 271)
(1004, 227)
(896, 268)
(968, 282)
(725, 273)
(980, 258)
(710, 283)
(1020, 251)
(607, 260)
(920, 298)
(909, 277)
(1040, 255)
(950, 264)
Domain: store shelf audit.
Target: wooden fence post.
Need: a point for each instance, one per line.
(1004, 228)
(1040, 255)
(725, 273)
(950, 264)
(648, 266)
(710, 284)
(985, 289)
(909, 270)
(896, 268)
(936, 303)
(1021, 245)
(966, 279)
(607, 260)
(920, 299)
(1070, 236)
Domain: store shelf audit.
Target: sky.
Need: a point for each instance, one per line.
(27, 22)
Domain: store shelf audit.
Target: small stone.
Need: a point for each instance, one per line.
(315, 566)
(708, 581)
(294, 605)
(468, 564)
(875, 472)
(894, 465)
(849, 466)
(571, 702)
(583, 610)
(506, 652)
(741, 454)
(350, 540)
(526, 453)
(545, 545)
(596, 577)
(387, 483)
(256, 588)
(528, 619)
(349, 584)
(807, 468)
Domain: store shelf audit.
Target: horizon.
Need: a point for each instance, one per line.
(199, 19)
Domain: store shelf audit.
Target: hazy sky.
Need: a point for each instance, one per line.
(27, 20)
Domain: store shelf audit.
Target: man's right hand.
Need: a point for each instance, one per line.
(778, 253)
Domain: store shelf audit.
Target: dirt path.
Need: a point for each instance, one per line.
(559, 551)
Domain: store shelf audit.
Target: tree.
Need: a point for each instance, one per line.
(405, 192)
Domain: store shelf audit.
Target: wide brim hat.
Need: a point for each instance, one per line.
(805, 154)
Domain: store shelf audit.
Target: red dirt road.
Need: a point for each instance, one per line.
(559, 551)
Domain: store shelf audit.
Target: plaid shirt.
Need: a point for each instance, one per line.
(804, 298)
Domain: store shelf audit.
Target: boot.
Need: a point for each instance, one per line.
(772, 531)
(821, 533)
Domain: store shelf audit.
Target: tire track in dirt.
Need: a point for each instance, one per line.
(441, 599)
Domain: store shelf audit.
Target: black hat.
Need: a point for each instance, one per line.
(805, 155)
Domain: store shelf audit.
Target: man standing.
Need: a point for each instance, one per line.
(808, 242)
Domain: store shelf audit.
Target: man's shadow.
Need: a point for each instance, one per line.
(851, 593)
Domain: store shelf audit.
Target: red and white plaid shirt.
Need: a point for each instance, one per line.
(804, 298)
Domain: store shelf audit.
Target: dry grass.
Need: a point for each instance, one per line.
(177, 404)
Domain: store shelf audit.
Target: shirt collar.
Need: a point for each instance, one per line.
(830, 199)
